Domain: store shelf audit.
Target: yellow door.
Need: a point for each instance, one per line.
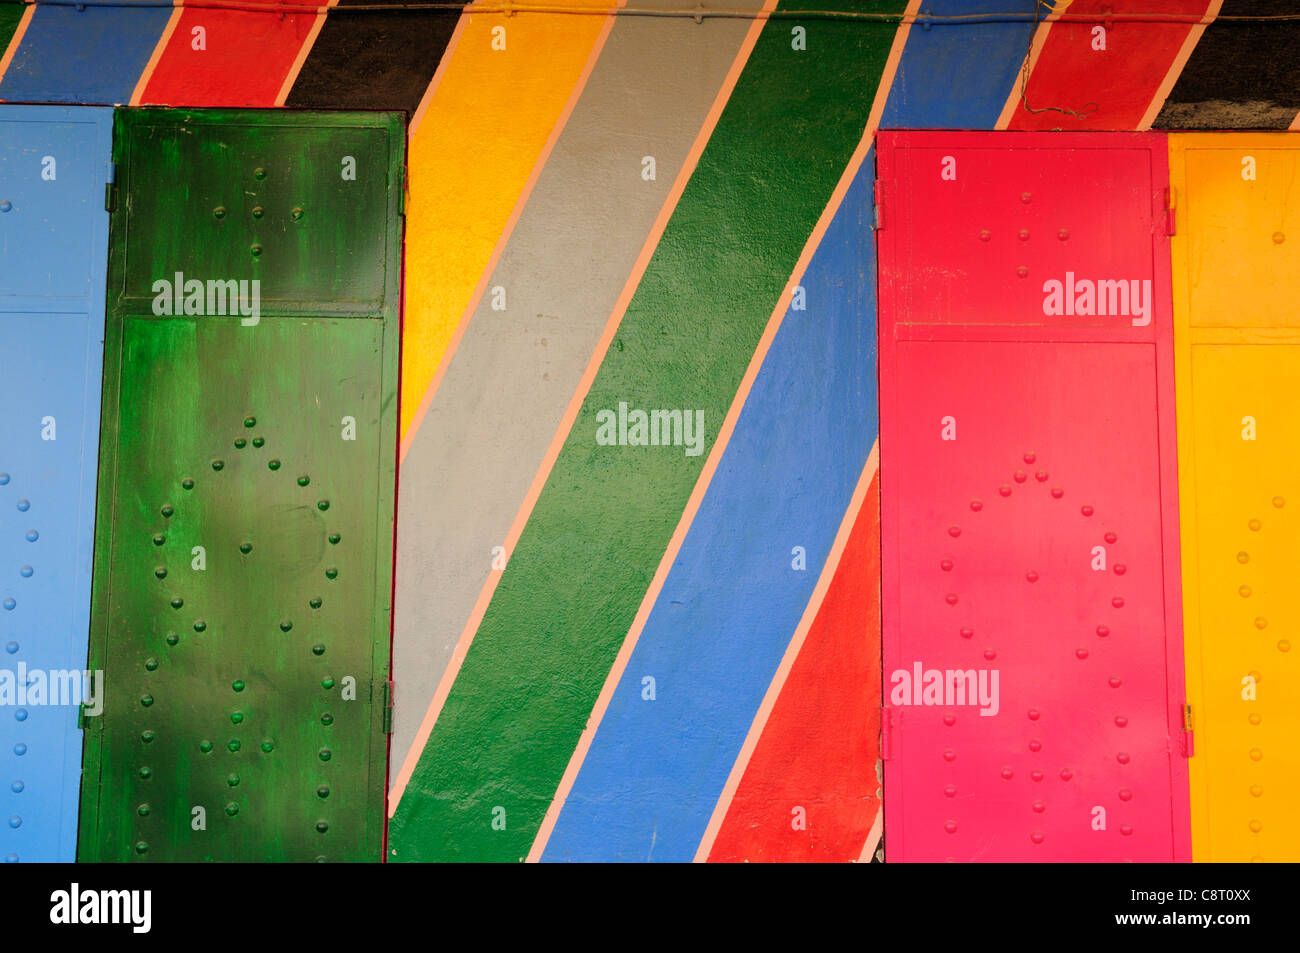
(1236, 262)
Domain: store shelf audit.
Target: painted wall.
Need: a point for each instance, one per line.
(611, 651)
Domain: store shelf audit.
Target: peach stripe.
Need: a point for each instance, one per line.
(159, 48)
(1176, 67)
(791, 653)
(472, 306)
(873, 838)
(434, 83)
(301, 58)
(17, 38)
(720, 445)
(575, 405)
(1031, 60)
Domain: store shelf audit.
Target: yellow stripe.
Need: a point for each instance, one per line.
(1236, 324)
(483, 130)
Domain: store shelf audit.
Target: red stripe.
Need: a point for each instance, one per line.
(1121, 80)
(246, 59)
(819, 748)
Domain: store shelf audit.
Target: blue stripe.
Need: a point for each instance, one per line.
(54, 235)
(958, 76)
(95, 55)
(732, 599)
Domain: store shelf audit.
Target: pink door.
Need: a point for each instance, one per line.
(1032, 627)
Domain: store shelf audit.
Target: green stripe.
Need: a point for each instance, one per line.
(604, 519)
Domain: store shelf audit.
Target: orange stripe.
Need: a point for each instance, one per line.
(158, 50)
(472, 306)
(301, 58)
(1176, 67)
(575, 405)
(1031, 58)
(434, 83)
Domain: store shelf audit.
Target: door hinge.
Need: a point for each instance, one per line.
(886, 733)
(1171, 224)
(388, 707)
(1189, 743)
(81, 717)
(878, 196)
(108, 196)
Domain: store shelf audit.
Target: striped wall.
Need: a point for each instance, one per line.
(633, 652)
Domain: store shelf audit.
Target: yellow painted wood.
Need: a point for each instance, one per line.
(1236, 256)
(482, 130)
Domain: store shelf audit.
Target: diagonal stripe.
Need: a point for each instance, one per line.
(1176, 67)
(565, 603)
(590, 204)
(594, 357)
(14, 20)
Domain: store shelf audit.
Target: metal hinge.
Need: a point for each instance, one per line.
(878, 195)
(388, 707)
(1171, 224)
(81, 717)
(886, 733)
(1189, 746)
(108, 196)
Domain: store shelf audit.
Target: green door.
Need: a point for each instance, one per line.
(244, 539)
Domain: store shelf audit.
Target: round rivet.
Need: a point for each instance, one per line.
(1026, 197)
(147, 736)
(232, 809)
(1284, 645)
(172, 638)
(1034, 714)
(233, 745)
(1110, 537)
(1126, 829)
(200, 625)
(331, 573)
(237, 685)
(26, 571)
(267, 746)
(1063, 234)
(151, 664)
(167, 511)
(296, 214)
(322, 827)
(322, 505)
(1035, 745)
(259, 442)
(327, 683)
(10, 604)
(315, 603)
(187, 484)
(1037, 837)
(1030, 457)
(951, 598)
(1004, 490)
(967, 633)
(1120, 569)
(246, 548)
(1121, 721)
(236, 717)
(1254, 718)
(1256, 754)
(318, 649)
(285, 625)
(1256, 790)
(1279, 502)
(949, 791)
(177, 602)
(1103, 631)
(949, 755)
(1066, 774)
(250, 421)
(1254, 525)
(145, 773)
(334, 538)
(304, 480)
(258, 211)
(1123, 757)
(219, 211)
(218, 464)
(950, 827)
(1244, 591)
(1039, 807)
(1117, 602)
(1040, 476)
(985, 235)
(241, 443)
(146, 700)
(1256, 826)
(1023, 234)
(1057, 493)
(159, 539)
(327, 719)
(1007, 774)
(1278, 238)
(20, 749)
(1261, 622)
(11, 647)
(1086, 510)
(945, 565)
(323, 791)
(1125, 794)
(976, 505)
(273, 464)
(1031, 576)
(259, 173)
(205, 746)
(950, 720)
(232, 780)
(160, 572)
(1020, 476)
(143, 810)
(1081, 654)
(1243, 557)
(256, 249)
(325, 754)
(24, 506)
(1022, 271)
(20, 714)
(990, 654)
(141, 847)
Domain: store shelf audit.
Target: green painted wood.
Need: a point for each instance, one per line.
(228, 685)
(10, 14)
(584, 561)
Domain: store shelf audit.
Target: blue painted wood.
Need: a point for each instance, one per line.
(91, 55)
(958, 76)
(733, 599)
(54, 162)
